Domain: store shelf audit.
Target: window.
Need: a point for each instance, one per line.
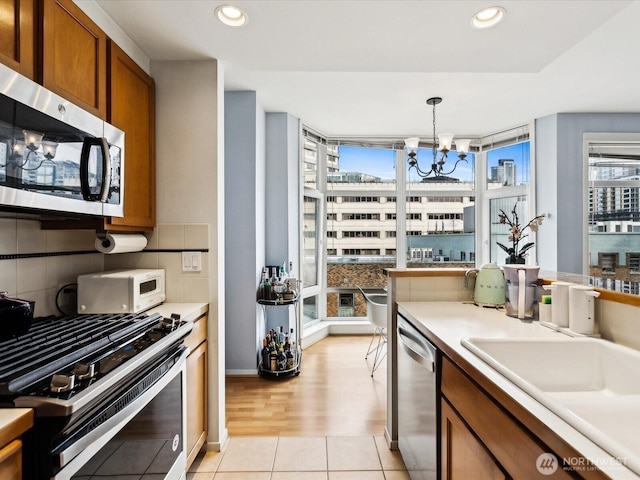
(499, 231)
(346, 305)
(433, 221)
(608, 262)
(613, 223)
(360, 199)
(361, 216)
(370, 234)
(508, 166)
(507, 163)
(633, 260)
(361, 251)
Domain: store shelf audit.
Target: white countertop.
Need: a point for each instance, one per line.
(447, 323)
(187, 311)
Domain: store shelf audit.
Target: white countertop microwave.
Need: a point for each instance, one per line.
(121, 291)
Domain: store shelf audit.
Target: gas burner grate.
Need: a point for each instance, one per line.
(53, 344)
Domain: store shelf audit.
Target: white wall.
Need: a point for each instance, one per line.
(190, 190)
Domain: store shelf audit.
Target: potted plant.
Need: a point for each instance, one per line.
(517, 233)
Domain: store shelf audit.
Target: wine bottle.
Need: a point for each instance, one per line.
(263, 280)
(265, 354)
(291, 362)
(273, 360)
(282, 360)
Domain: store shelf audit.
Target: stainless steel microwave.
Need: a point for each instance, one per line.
(54, 156)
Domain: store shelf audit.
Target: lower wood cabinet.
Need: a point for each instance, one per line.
(464, 456)
(197, 420)
(11, 461)
(482, 440)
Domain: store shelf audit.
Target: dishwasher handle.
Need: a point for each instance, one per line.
(423, 354)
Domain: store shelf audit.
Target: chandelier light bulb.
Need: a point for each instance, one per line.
(411, 143)
(462, 145)
(445, 140)
(32, 139)
(49, 149)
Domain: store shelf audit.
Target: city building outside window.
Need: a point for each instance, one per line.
(437, 224)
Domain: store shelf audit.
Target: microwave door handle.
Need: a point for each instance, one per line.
(106, 170)
(84, 169)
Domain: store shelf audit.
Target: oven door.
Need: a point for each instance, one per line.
(145, 437)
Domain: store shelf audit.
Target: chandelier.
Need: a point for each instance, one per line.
(445, 141)
(20, 151)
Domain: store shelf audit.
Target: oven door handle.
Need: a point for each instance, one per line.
(73, 458)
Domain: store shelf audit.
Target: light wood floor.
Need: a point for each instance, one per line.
(333, 395)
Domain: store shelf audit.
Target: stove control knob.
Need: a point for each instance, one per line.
(62, 382)
(84, 371)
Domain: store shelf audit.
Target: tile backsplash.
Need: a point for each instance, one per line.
(164, 250)
(35, 263)
(47, 260)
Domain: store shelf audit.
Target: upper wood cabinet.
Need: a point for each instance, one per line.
(17, 35)
(74, 56)
(132, 110)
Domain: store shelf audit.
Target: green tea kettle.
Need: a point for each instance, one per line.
(489, 285)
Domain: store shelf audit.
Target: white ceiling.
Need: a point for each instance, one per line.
(365, 68)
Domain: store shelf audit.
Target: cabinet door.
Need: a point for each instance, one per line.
(132, 110)
(11, 461)
(74, 56)
(463, 456)
(17, 40)
(196, 401)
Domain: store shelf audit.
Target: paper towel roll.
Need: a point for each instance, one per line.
(121, 243)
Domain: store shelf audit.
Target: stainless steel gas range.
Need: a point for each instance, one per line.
(108, 392)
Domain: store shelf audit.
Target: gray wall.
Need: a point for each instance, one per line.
(560, 182)
(283, 232)
(245, 219)
(261, 219)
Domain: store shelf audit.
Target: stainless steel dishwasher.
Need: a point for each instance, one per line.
(418, 428)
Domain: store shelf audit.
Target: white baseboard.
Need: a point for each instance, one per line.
(323, 329)
(319, 331)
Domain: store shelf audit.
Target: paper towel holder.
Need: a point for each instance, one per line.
(120, 242)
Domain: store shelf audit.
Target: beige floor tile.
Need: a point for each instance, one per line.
(301, 454)
(249, 454)
(352, 453)
(206, 462)
(242, 476)
(200, 476)
(390, 459)
(356, 475)
(299, 476)
(396, 475)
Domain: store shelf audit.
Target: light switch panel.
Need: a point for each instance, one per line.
(191, 261)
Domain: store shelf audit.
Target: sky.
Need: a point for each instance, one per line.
(381, 162)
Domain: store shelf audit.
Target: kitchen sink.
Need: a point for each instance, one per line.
(592, 384)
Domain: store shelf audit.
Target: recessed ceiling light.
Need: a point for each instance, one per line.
(488, 17)
(232, 16)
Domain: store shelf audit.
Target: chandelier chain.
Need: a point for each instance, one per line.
(433, 145)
